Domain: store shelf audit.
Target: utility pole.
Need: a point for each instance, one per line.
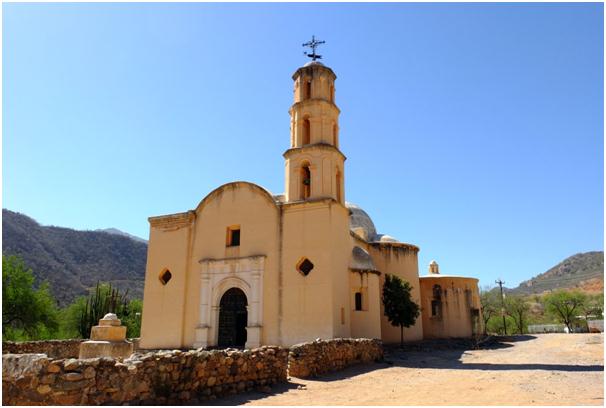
(501, 283)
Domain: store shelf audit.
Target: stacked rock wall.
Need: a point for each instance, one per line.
(164, 377)
(320, 356)
(52, 348)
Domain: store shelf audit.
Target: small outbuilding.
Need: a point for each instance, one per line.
(451, 305)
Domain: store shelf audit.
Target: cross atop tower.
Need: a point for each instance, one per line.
(313, 44)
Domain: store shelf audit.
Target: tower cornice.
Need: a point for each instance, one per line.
(312, 147)
(312, 102)
(311, 67)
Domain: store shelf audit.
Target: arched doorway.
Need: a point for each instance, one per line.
(233, 319)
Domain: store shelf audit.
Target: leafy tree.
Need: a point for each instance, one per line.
(495, 324)
(490, 306)
(399, 307)
(131, 318)
(518, 309)
(564, 305)
(592, 307)
(25, 309)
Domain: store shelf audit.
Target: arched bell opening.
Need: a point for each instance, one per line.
(305, 176)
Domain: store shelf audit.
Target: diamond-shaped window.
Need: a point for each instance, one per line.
(165, 277)
(305, 266)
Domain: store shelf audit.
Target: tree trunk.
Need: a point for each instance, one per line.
(401, 336)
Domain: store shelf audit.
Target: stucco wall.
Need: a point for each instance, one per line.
(254, 210)
(400, 261)
(172, 311)
(295, 308)
(366, 322)
(311, 304)
(164, 305)
(456, 309)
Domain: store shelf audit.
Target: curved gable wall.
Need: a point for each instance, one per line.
(254, 210)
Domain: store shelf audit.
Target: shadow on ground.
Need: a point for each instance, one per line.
(446, 355)
(436, 354)
(240, 399)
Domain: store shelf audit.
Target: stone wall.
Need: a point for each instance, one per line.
(320, 356)
(52, 348)
(164, 377)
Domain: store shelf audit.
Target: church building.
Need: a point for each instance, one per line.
(246, 267)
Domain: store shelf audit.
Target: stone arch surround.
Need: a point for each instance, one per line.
(217, 277)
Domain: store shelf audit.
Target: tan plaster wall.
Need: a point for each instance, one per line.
(456, 318)
(163, 305)
(340, 251)
(324, 163)
(171, 313)
(251, 208)
(311, 307)
(367, 322)
(402, 262)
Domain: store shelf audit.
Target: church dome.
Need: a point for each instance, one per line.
(385, 238)
(361, 260)
(312, 63)
(359, 219)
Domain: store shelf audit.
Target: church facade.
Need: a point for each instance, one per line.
(249, 268)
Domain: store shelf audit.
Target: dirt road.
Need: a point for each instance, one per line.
(548, 369)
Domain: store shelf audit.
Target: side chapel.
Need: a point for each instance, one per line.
(247, 268)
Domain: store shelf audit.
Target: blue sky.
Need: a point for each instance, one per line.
(474, 131)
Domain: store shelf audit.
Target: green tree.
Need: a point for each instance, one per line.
(518, 308)
(564, 305)
(131, 318)
(592, 307)
(399, 307)
(495, 324)
(26, 310)
(490, 306)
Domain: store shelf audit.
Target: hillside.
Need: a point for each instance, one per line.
(581, 271)
(73, 261)
(124, 234)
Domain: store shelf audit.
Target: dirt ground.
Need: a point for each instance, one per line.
(546, 369)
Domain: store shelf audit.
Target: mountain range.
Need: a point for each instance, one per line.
(583, 271)
(73, 261)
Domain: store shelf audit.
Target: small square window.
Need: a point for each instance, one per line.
(233, 236)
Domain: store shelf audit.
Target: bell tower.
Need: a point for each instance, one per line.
(314, 163)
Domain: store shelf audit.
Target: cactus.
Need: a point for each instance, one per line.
(105, 299)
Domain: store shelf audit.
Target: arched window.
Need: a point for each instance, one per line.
(437, 292)
(334, 134)
(308, 89)
(332, 93)
(305, 181)
(338, 181)
(306, 131)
